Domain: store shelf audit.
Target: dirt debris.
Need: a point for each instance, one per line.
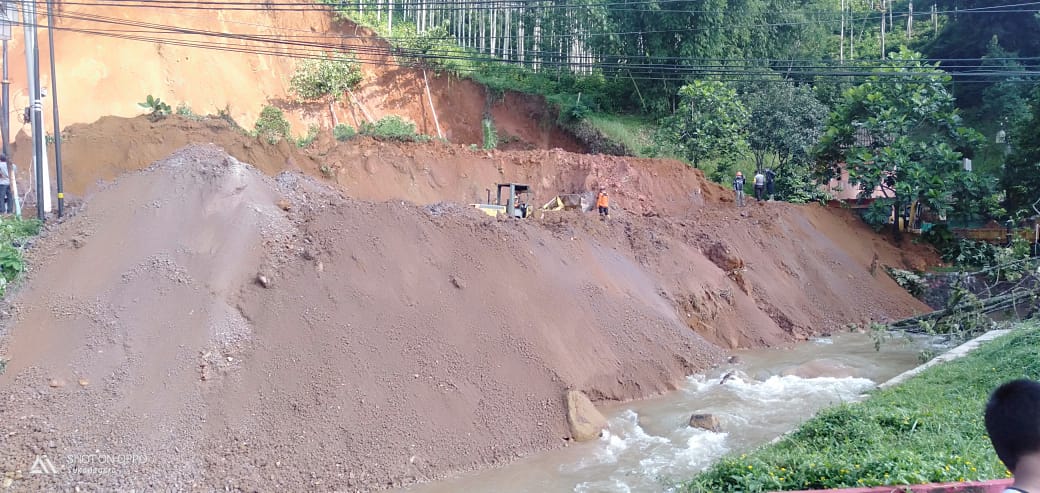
(403, 343)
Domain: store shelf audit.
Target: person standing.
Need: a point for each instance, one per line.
(603, 203)
(738, 187)
(5, 187)
(1012, 420)
(760, 185)
(770, 179)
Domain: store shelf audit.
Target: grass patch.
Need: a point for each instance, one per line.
(634, 132)
(393, 128)
(929, 429)
(13, 232)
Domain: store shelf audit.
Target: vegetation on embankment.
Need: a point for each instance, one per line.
(13, 232)
(929, 429)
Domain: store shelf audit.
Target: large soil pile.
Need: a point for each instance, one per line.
(392, 342)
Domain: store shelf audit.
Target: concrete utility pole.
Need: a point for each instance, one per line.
(32, 63)
(9, 13)
(54, 106)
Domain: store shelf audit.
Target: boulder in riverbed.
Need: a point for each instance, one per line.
(586, 422)
(708, 422)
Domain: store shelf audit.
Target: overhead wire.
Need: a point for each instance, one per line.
(387, 56)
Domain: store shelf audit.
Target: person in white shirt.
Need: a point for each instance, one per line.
(5, 186)
(760, 185)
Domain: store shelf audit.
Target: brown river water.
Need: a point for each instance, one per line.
(650, 447)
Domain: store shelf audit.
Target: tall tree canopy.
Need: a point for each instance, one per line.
(709, 122)
(900, 131)
(1021, 177)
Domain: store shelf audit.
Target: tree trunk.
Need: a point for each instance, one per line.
(359, 105)
(332, 109)
(432, 109)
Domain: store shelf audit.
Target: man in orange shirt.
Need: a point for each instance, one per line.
(603, 202)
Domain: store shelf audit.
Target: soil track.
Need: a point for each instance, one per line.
(394, 342)
(101, 76)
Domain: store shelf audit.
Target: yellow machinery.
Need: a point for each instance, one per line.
(513, 205)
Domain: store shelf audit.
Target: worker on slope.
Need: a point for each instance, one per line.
(760, 185)
(6, 204)
(738, 187)
(603, 202)
(770, 183)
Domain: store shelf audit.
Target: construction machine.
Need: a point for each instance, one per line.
(511, 200)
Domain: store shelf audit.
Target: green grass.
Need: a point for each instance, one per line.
(634, 132)
(929, 429)
(12, 262)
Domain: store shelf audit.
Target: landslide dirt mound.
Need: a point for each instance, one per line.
(102, 76)
(385, 343)
(394, 342)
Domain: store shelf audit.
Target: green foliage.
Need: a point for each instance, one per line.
(306, 140)
(391, 127)
(901, 132)
(156, 108)
(709, 122)
(878, 213)
(1021, 177)
(12, 233)
(908, 280)
(272, 125)
(925, 430)
(490, 134)
(343, 132)
(786, 121)
(185, 111)
(969, 37)
(325, 78)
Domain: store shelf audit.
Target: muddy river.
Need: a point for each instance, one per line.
(650, 446)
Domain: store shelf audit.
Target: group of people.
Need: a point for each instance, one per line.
(764, 181)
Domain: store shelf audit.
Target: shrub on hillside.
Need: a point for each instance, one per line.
(343, 132)
(272, 125)
(391, 127)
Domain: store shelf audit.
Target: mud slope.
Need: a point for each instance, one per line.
(391, 343)
(100, 76)
(796, 269)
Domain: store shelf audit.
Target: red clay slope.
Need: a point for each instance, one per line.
(395, 342)
(392, 342)
(101, 76)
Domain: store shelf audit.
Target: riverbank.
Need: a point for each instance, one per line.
(929, 429)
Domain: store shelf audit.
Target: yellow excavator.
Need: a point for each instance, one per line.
(511, 200)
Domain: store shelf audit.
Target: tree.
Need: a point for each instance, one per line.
(1021, 177)
(785, 123)
(899, 131)
(326, 79)
(709, 122)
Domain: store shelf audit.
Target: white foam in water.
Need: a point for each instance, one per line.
(777, 388)
(823, 340)
(607, 486)
(627, 458)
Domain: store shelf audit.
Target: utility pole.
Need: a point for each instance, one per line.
(9, 14)
(5, 119)
(32, 62)
(54, 106)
